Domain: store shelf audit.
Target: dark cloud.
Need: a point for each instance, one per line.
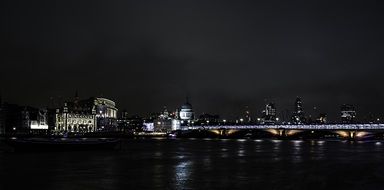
(224, 54)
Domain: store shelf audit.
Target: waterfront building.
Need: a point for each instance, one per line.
(11, 119)
(106, 114)
(148, 127)
(186, 112)
(348, 113)
(130, 124)
(16, 119)
(75, 117)
(298, 116)
(186, 115)
(163, 124)
(36, 120)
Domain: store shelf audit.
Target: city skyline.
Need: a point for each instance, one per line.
(282, 114)
(191, 94)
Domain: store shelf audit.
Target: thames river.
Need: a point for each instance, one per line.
(201, 164)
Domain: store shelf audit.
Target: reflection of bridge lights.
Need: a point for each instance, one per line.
(276, 141)
(258, 140)
(378, 143)
(320, 142)
(297, 141)
(240, 153)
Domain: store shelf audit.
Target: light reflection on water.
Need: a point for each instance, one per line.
(276, 150)
(297, 155)
(203, 164)
(182, 173)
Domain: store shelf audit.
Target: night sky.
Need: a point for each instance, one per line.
(224, 55)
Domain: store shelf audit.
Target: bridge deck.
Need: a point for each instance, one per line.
(297, 127)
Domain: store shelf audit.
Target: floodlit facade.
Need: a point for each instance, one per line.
(186, 112)
(163, 123)
(75, 118)
(106, 114)
(85, 116)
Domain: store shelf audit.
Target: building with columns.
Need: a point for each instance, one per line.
(75, 117)
(85, 116)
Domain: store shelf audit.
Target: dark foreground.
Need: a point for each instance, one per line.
(201, 164)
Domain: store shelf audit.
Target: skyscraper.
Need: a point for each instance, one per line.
(269, 114)
(348, 113)
(298, 116)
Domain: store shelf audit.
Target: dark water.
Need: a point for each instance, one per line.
(202, 164)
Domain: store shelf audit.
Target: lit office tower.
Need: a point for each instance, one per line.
(269, 114)
(248, 117)
(298, 113)
(348, 113)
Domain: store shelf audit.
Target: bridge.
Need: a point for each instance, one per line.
(350, 131)
(300, 127)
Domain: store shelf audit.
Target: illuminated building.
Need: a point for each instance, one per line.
(186, 111)
(348, 113)
(17, 119)
(36, 120)
(75, 117)
(322, 119)
(106, 114)
(248, 117)
(269, 114)
(208, 119)
(298, 113)
(84, 116)
(130, 124)
(163, 123)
